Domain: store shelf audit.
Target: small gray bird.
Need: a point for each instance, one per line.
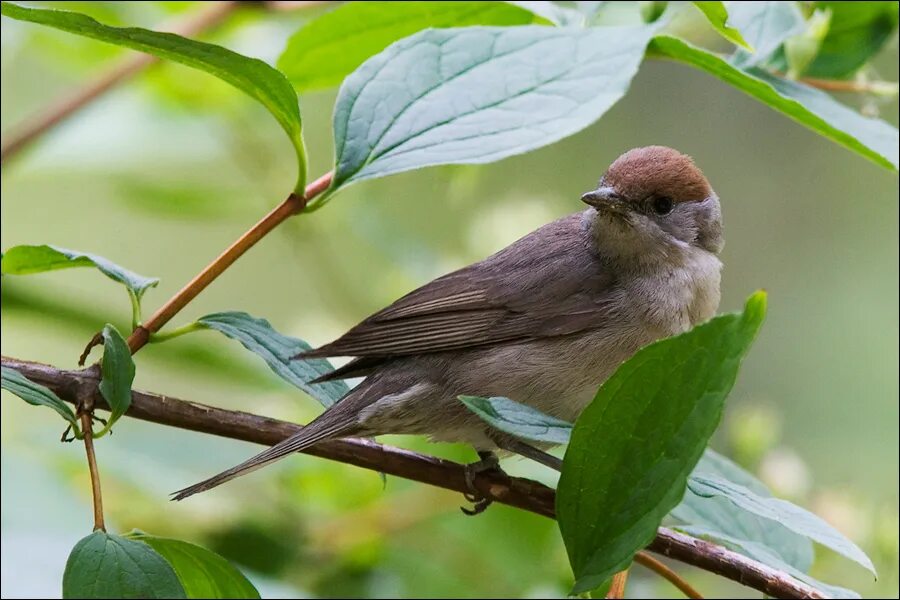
(544, 321)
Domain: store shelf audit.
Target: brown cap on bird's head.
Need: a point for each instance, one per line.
(656, 171)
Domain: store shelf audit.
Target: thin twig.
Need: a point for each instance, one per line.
(291, 205)
(513, 491)
(96, 495)
(881, 88)
(666, 573)
(617, 587)
(211, 15)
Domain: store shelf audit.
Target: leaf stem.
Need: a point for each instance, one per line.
(211, 15)
(177, 332)
(878, 88)
(644, 559)
(96, 495)
(617, 588)
(291, 205)
(135, 309)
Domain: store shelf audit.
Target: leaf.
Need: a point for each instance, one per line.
(36, 394)
(557, 14)
(723, 517)
(858, 31)
(635, 445)
(478, 94)
(873, 138)
(258, 336)
(717, 15)
(790, 515)
(25, 260)
(253, 77)
(765, 26)
(767, 556)
(519, 419)
(116, 374)
(109, 566)
(327, 49)
(202, 573)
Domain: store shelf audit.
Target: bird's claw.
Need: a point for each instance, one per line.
(488, 462)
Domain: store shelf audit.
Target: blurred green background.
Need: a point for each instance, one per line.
(164, 172)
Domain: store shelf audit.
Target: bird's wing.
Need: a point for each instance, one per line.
(545, 284)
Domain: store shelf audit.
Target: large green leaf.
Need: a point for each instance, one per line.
(202, 573)
(873, 138)
(478, 94)
(116, 374)
(723, 517)
(765, 25)
(24, 260)
(110, 566)
(858, 30)
(519, 419)
(35, 394)
(253, 77)
(635, 445)
(327, 49)
(258, 336)
(717, 15)
(781, 511)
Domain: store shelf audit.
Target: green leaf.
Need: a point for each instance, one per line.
(635, 445)
(767, 556)
(873, 138)
(253, 77)
(557, 14)
(202, 573)
(858, 31)
(789, 515)
(717, 15)
(36, 394)
(519, 419)
(327, 49)
(109, 566)
(116, 374)
(258, 336)
(721, 516)
(478, 94)
(765, 26)
(25, 260)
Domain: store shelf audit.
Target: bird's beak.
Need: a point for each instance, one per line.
(605, 198)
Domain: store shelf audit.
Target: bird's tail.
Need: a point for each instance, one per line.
(332, 423)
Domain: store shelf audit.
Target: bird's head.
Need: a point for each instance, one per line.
(653, 199)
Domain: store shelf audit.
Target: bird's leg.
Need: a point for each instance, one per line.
(487, 462)
(522, 449)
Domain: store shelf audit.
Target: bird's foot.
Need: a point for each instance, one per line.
(488, 462)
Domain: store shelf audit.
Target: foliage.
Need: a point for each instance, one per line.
(433, 83)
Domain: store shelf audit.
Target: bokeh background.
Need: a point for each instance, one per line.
(164, 172)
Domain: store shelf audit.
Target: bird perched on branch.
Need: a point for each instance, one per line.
(544, 321)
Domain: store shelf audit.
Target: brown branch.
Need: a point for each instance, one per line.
(852, 86)
(617, 587)
(291, 205)
(666, 573)
(211, 15)
(81, 386)
(96, 495)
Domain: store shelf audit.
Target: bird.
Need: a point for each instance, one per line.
(544, 321)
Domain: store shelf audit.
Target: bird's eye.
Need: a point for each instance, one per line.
(663, 205)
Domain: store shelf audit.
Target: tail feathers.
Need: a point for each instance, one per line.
(315, 432)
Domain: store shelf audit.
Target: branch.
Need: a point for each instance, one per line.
(81, 386)
(667, 574)
(97, 497)
(30, 130)
(291, 205)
